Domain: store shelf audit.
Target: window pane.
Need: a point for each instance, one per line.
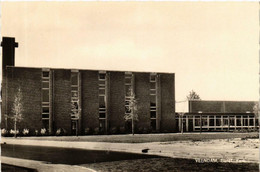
(153, 124)
(102, 91)
(211, 122)
(204, 122)
(74, 78)
(102, 82)
(128, 80)
(152, 85)
(128, 90)
(152, 78)
(74, 95)
(225, 121)
(127, 109)
(239, 122)
(45, 74)
(197, 122)
(153, 92)
(102, 115)
(45, 124)
(102, 76)
(45, 95)
(152, 100)
(251, 122)
(74, 88)
(45, 84)
(232, 121)
(153, 114)
(218, 122)
(45, 115)
(245, 123)
(45, 109)
(102, 102)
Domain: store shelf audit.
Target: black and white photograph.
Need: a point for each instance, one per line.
(123, 86)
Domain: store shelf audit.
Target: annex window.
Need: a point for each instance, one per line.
(239, 123)
(232, 121)
(218, 120)
(204, 121)
(197, 120)
(225, 120)
(245, 120)
(211, 121)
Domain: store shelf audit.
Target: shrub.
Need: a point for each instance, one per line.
(61, 132)
(140, 130)
(25, 132)
(36, 132)
(43, 131)
(4, 132)
(88, 131)
(12, 132)
(114, 130)
(58, 132)
(96, 131)
(145, 130)
(122, 130)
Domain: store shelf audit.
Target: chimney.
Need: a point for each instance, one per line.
(8, 45)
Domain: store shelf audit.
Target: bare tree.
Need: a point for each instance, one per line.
(256, 110)
(17, 110)
(132, 108)
(193, 96)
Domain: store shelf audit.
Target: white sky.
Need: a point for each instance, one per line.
(212, 47)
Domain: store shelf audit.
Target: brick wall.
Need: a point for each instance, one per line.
(62, 99)
(221, 106)
(90, 101)
(117, 99)
(29, 81)
(167, 102)
(231, 106)
(142, 90)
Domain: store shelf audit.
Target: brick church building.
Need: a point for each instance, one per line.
(78, 99)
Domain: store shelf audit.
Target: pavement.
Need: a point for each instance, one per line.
(43, 166)
(226, 150)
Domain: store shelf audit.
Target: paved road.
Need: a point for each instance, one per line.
(11, 168)
(66, 155)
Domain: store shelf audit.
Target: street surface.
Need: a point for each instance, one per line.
(66, 155)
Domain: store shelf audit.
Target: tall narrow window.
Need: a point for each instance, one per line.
(45, 98)
(74, 95)
(128, 88)
(153, 100)
(102, 86)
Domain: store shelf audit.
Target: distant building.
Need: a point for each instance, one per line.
(76, 100)
(207, 115)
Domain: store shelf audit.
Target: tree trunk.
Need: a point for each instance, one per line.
(133, 125)
(15, 128)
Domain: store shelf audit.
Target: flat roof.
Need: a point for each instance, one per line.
(88, 69)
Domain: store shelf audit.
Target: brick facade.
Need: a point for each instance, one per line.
(167, 102)
(30, 82)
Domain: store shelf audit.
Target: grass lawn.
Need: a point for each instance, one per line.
(170, 164)
(143, 138)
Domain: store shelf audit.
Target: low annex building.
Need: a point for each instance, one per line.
(210, 115)
(76, 99)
